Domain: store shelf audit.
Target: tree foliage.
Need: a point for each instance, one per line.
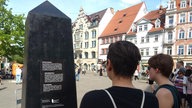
(11, 33)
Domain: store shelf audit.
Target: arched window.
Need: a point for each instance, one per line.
(86, 35)
(181, 34)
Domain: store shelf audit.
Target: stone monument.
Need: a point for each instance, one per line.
(49, 75)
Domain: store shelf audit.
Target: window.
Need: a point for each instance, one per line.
(116, 39)
(171, 20)
(80, 55)
(86, 44)
(182, 18)
(81, 26)
(86, 54)
(120, 38)
(181, 50)
(171, 5)
(157, 23)
(140, 28)
(75, 56)
(111, 39)
(93, 44)
(170, 36)
(103, 41)
(81, 45)
(103, 51)
(93, 33)
(142, 52)
(93, 54)
(142, 39)
(183, 4)
(147, 52)
(86, 35)
(156, 38)
(145, 27)
(169, 50)
(190, 16)
(147, 38)
(107, 40)
(155, 51)
(190, 50)
(181, 34)
(190, 33)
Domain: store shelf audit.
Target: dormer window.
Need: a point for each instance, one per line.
(183, 4)
(124, 14)
(140, 28)
(157, 23)
(120, 21)
(115, 29)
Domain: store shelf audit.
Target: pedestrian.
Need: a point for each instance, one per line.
(18, 75)
(78, 74)
(122, 60)
(189, 88)
(160, 68)
(181, 84)
(83, 71)
(136, 74)
(101, 71)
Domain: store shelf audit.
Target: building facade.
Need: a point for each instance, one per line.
(119, 26)
(86, 30)
(178, 26)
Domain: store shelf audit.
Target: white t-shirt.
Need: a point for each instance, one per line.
(18, 71)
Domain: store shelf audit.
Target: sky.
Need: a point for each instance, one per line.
(71, 7)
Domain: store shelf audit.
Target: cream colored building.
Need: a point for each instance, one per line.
(86, 30)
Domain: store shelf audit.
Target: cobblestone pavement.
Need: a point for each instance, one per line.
(10, 91)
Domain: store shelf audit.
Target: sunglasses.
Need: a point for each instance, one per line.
(148, 68)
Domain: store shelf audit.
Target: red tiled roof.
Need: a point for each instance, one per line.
(122, 21)
(156, 29)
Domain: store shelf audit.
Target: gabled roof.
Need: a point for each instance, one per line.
(152, 16)
(122, 21)
(98, 15)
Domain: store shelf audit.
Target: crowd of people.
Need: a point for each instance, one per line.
(174, 88)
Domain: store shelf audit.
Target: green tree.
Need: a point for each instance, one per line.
(11, 34)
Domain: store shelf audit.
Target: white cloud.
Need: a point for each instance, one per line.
(163, 3)
(130, 2)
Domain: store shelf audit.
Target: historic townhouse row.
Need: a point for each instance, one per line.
(178, 30)
(165, 30)
(86, 30)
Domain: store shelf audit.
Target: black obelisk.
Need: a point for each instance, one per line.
(49, 75)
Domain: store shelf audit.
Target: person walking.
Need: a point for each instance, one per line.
(122, 60)
(78, 74)
(160, 68)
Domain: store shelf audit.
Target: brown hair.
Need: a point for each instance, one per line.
(163, 62)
